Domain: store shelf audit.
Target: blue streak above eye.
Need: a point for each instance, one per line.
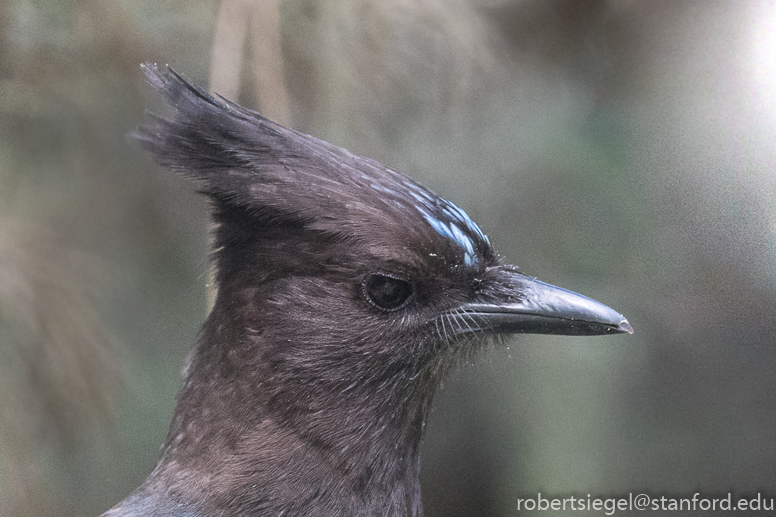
(456, 213)
(448, 221)
(453, 232)
(461, 238)
(439, 226)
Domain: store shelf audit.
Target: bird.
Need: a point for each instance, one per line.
(345, 292)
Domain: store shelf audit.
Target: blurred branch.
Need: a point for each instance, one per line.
(226, 56)
(226, 61)
(58, 375)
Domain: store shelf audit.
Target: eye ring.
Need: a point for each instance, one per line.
(386, 292)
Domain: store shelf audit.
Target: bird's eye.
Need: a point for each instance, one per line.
(386, 292)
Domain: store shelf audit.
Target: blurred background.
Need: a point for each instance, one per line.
(625, 149)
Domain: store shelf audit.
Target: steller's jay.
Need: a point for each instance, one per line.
(345, 291)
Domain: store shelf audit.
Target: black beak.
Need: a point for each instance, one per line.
(546, 309)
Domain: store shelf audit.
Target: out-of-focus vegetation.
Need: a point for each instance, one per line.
(621, 148)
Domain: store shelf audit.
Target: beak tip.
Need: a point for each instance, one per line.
(625, 326)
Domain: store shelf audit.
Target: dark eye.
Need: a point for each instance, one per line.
(386, 292)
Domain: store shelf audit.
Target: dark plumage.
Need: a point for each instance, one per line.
(345, 290)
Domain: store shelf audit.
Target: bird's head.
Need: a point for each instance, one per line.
(342, 285)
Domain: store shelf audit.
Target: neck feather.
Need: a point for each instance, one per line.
(240, 444)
